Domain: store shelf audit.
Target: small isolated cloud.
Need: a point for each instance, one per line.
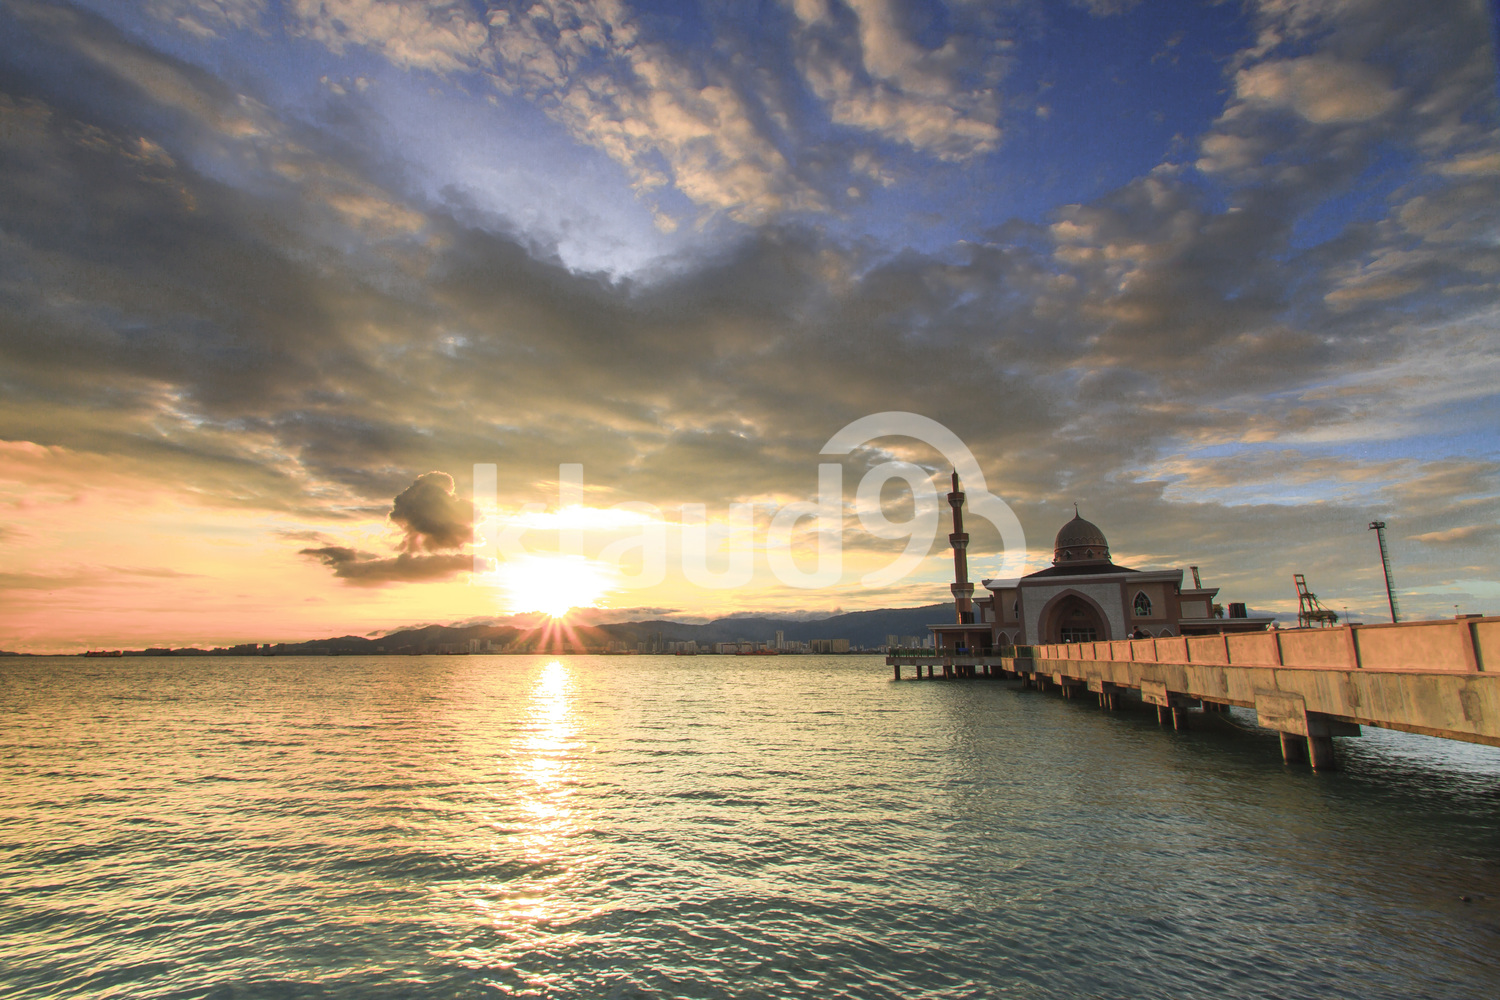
(1469, 534)
(208, 18)
(153, 572)
(365, 569)
(1321, 89)
(432, 515)
(302, 536)
(878, 78)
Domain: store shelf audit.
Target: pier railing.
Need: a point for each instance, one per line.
(1458, 645)
(1438, 678)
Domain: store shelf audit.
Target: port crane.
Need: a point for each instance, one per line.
(1309, 611)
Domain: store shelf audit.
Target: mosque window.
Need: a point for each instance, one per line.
(1142, 605)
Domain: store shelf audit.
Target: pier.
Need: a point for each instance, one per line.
(1437, 678)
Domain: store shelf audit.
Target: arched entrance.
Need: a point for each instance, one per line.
(1073, 618)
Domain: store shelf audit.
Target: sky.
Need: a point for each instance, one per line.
(276, 276)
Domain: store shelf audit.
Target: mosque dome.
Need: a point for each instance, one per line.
(1080, 541)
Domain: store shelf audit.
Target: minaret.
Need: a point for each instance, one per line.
(963, 590)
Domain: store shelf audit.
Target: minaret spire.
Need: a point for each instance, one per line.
(963, 590)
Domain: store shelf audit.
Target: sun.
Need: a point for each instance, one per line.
(553, 584)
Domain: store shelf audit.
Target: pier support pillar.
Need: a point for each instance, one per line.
(1293, 748)
(1107, 692)
(1312, 732)
(1156, 693)
(898, 671)
(1320, 753)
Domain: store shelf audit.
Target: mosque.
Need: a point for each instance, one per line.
(1081, 597)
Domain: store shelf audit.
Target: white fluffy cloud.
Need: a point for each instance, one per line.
(666, 119)
(443, 36)
(943, 101)
(1321, 89)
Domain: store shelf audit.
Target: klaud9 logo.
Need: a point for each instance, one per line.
(733, 541)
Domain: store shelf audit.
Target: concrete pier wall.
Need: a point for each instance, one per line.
(1462, 645)
(1464, 706)
(1439, 678)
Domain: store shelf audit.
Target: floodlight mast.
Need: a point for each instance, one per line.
(1385, 563)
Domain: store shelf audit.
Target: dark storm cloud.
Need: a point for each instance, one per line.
(432, 516)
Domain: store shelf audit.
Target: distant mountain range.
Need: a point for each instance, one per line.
(862, 628)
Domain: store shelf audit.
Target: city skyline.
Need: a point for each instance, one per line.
(276, 277)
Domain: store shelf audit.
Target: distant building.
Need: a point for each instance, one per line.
(1081, 597)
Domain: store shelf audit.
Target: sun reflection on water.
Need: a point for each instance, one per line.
(543, 756)
(532, 910)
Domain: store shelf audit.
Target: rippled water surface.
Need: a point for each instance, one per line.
(709, 827)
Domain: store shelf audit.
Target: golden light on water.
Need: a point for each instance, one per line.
(541, 766)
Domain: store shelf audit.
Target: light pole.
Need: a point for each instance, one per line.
(1385, 563)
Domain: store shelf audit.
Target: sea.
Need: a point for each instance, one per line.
(710, 826)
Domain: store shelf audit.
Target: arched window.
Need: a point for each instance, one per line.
(1015, 610)
(1142, 605)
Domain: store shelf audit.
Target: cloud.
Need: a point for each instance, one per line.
(1466, 535)
(877, 78)
(208, 18)
(192, 284)
(415, 34)
(714, 123)
(162, 573)
(702, 126)
(1321, 89)
(364, 569)
(432, 516)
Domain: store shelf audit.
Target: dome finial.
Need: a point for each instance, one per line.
(1075, 509)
